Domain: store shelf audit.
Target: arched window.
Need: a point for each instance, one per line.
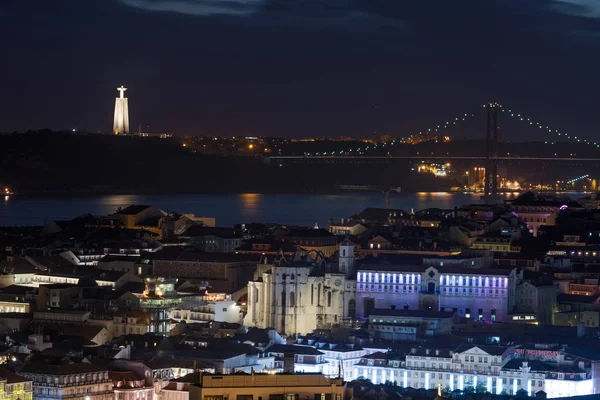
(351, 308)
(319, 294)
(312, 294)
(344, 253)
(328, 299)
(292, 299)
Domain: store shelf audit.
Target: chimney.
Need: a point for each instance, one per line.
(580, 329)
(288, 363)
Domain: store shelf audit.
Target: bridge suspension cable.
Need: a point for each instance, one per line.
(539, 125)
(578, 178)
(449, 124)
(433, 130)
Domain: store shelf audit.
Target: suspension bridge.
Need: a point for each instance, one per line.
(384, 152)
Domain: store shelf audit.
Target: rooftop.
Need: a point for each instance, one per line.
(59, 369)
(133, 209)
(11, 377)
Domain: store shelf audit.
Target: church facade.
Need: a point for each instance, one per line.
(304, 293)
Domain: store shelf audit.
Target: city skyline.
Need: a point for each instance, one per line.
(360, 70)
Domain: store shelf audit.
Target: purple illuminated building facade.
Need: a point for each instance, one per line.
(486, 294)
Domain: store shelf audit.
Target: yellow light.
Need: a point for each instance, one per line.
(185, 145)
(250, 146)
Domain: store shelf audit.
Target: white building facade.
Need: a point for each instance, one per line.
(303, 294)
(495, 369)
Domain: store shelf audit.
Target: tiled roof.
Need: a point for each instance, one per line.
(64, 369)
(133, 210)
(11, 377)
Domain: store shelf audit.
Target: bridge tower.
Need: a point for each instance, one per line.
(492, 145)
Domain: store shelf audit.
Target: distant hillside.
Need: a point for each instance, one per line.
(59, 162)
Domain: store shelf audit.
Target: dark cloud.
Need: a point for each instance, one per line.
(199, 7)
(586, 8)
(297, 67)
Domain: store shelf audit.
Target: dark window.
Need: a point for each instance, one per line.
(352, 308)
(431, 287)
(319, 294)
(369, 306)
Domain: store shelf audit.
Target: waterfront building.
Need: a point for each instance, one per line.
(121, 120)
(486, 294)
(266, 386)
(302, 294)
(141, 217)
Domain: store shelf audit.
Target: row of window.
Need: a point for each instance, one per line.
(415, 289)
(485, 292)
(386, 288)
(287, 396)
(388, 278)
(70, 378)
(433, 375)
(473, 281)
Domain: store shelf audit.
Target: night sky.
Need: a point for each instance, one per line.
(297, 67)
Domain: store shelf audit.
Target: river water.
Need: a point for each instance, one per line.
(228, 209)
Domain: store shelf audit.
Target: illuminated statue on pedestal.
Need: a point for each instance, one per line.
(121, 124)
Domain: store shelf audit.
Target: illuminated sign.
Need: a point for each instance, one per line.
(537, 353)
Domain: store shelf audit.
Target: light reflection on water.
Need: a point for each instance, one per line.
(229, 209)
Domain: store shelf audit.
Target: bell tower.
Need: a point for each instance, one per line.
(346, 258)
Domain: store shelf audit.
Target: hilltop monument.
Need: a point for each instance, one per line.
(121, 124)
